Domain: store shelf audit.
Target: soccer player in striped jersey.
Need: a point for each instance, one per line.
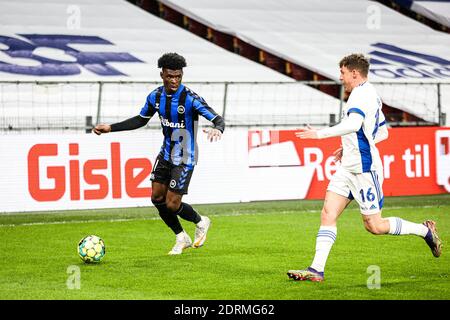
(360, 175)
(178, 109)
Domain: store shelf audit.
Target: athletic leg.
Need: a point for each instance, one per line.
(337, 198)
(188, 213)
(368, 188)
(159, 199)
(333, 207)
(184, 210)
(377, 225)
(180, 178)
(160, 179)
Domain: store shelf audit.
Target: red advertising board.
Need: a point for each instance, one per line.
(416, 161)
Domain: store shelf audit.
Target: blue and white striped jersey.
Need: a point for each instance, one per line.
(178, 114)
(359, 151)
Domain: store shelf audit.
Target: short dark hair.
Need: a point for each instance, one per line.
(172, 61)
(356, 61)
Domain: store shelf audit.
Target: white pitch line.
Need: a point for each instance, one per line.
(234, 214)
(73, 221)
(144, 219)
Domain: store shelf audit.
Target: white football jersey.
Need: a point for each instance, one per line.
(359, 151)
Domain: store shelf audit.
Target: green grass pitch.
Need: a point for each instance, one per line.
(249, 248)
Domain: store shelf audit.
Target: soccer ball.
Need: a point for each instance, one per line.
(91, 249)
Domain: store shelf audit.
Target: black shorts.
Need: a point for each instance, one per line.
(177, 177)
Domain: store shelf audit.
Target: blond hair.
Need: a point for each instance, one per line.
(356, 61)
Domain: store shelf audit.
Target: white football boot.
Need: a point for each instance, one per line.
(183, 241)
(200, 232)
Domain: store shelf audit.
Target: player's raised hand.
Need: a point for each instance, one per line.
(307, 133)
(213, 134)
(338, 154)
(101, 128)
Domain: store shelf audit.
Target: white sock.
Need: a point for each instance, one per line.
(399, 226)
(325, 240)
(181, 235)
(202, 221)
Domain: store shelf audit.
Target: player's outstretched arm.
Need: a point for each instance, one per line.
(101, 128)
(129, 124)
(307, 133)
(349, 125)
(310, 133)
(215, 133)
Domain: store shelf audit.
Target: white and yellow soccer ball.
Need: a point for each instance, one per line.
(91, 249)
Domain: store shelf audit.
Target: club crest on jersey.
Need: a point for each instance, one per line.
(167, 123)
(180, 109)
(173, 183)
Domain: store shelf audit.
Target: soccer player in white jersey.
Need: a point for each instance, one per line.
(360, 175)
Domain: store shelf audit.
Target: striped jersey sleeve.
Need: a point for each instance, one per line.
(149, 109)
(203, 109)
(200, 106)
(357, 103)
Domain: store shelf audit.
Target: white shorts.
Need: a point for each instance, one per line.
(365, 188)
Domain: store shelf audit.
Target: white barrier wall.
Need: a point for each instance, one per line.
(49, 172)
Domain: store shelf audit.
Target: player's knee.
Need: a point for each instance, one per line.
(373, 228)
(328, 217)
(173, 205)
(157, 198)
